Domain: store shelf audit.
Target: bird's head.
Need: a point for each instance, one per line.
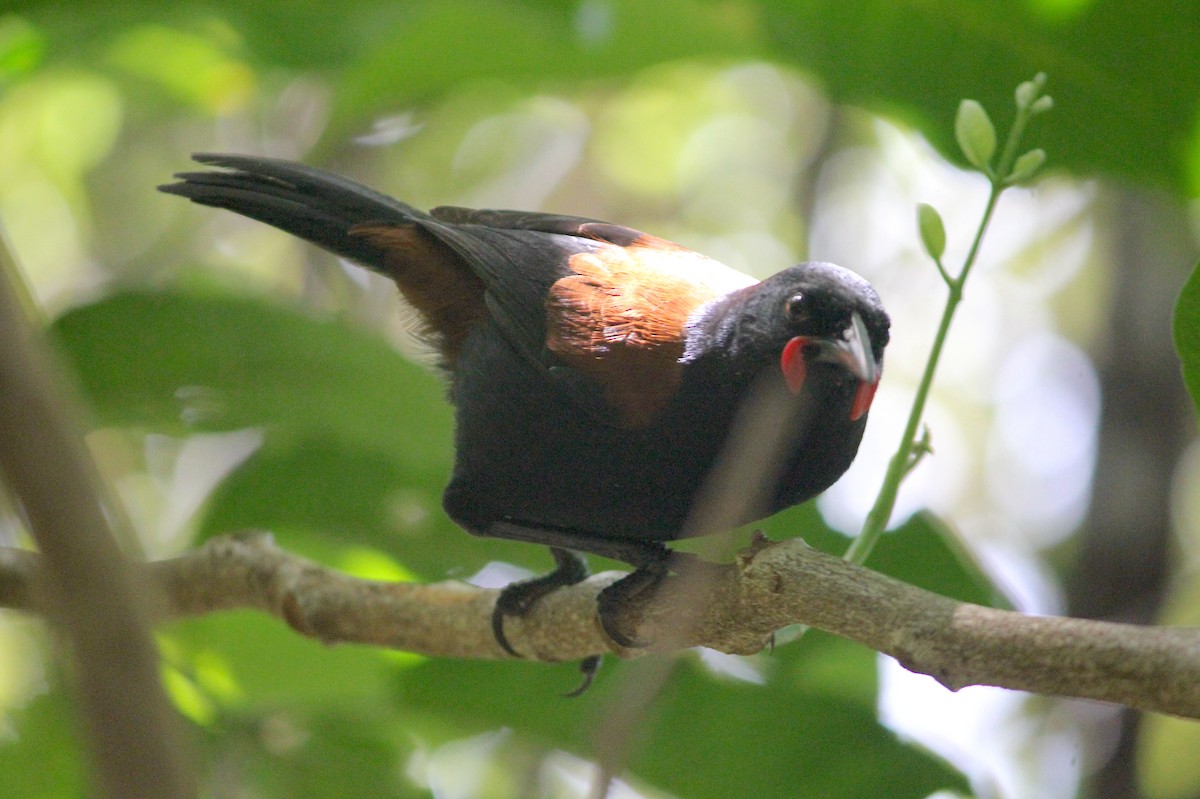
(813, 318)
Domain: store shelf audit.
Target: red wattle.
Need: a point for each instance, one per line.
(863, 396)
(793, 365)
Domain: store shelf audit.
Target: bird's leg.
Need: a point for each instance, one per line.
(652, 560)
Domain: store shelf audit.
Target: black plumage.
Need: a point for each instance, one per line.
(596, 371)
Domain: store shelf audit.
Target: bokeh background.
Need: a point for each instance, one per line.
(237, 378)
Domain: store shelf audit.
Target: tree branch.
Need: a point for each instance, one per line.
(772, 585)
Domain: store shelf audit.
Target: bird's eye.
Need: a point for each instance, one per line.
(797, 307)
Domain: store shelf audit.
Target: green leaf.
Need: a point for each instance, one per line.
(245, 648)
(321, 485)
(180, 363)
(1026, 165)
(975, 133)
(933, 232)
(1187, 333)
(926, 552)
(923, 58)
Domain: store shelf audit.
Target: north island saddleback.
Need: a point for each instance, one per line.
(596, 371)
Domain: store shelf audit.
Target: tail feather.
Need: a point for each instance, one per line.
(314, 205)
(355, 222)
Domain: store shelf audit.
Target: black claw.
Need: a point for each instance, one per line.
(498, 627)
(633, 589)
(517, 599)
(618, 637)
(588, 667)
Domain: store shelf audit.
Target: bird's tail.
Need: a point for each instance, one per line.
(314, 205)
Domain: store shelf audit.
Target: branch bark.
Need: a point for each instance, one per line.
(770, 586)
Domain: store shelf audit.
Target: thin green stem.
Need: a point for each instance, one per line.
(921, 448)
(881, 511)
(902, 462)
(956, 288)
(949, 281)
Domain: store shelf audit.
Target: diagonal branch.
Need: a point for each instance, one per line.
(86, 587)
(772, 585)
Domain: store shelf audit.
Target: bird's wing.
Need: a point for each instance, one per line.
(621, 318)
(602, 306)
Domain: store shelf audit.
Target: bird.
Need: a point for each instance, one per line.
(597, 372)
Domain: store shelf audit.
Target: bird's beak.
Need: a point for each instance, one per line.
(852, 351)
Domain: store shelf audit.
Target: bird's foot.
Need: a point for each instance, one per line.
(623, 598)
(518, 599)
(630, 591)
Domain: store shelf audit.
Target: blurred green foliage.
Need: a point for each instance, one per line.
(1187, 333)
(99, 102)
